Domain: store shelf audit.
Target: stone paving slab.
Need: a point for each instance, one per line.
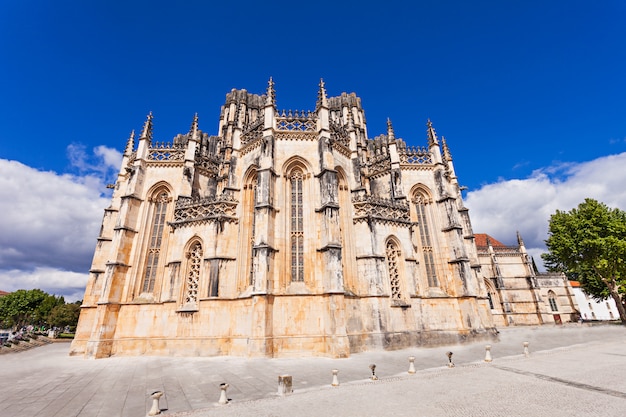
(572, 371)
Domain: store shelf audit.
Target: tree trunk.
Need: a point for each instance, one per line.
(618, 302)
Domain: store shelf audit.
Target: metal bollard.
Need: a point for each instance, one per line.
(285, 384)
(411, 364)
(373, 368)
(335, 382)
(488, 353)
(223, 398)
(526, 351)
(155, 410)
(450, 363)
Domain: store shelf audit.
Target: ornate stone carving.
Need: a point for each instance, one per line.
(380, 209)
(165, 152)
(189, 211)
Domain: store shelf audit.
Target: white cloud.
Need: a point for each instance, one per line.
(71, 285)
(49, 226)
(104, 161)
(525, 205)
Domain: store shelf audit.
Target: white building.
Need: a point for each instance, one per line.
(591, 309)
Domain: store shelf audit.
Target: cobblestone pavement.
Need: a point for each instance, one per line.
(572, 371)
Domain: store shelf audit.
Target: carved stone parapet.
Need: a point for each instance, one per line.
(192, 210)
(374, 208)
(296, 121)
(162, 152)
(414, 154)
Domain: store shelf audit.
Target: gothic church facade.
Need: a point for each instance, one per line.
(287, 233)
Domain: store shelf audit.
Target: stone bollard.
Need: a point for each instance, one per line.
(411, 364)
(335, 382)
(450, 363)
(155, 410)
(526, 351)
(223, 398)
(285, 384)
(373, 368)
(488, 353)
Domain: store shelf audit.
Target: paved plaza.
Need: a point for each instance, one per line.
(572, 370)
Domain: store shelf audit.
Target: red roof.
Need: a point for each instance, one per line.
(481, 240)
(4, 293)
(574, 283)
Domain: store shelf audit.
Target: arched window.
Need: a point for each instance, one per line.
(194, 263)
(297, 226)
(393, 260)
(423, 219)
(492, 296)
(157, 226)
(552, 301)
(251, 200)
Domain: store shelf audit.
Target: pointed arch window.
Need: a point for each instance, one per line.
(423, 217)
(157, 226)
(194, 263)
(251, 202)
(552, 301)
(393, 259)
(297, 226)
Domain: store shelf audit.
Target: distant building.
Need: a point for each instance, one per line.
(287, 233)
(3, 293)
(518, 294)
(591, 309)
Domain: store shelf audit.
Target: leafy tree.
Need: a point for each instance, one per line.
(588, 243)
(64, 315)
(47, 305)
(19, 308)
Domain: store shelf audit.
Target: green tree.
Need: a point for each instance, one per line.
(64, 315)
(19, 308)
(588, 243)
(47, 305)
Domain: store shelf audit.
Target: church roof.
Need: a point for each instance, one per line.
(3, 293)
(481, 240)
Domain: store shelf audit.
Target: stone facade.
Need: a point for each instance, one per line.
(288, 233)
(518, 294)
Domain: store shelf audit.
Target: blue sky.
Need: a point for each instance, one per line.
(530, 95)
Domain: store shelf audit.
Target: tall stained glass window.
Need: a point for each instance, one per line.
(425, 238)
(159, 205)
(297, 227)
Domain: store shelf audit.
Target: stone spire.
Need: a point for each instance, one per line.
(432, 136)
(130, 144)
(447, 156)
(271, 93)
(194, 124)
(520, 241)
(390, 135)
(146, 133)
(322, 100)
(193, 130)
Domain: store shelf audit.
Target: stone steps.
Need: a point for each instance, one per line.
(25, 345)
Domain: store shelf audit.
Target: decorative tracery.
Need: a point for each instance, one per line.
(297, 227)
(193, 273)
(159, 205)
(421, 208)
(393, 258)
